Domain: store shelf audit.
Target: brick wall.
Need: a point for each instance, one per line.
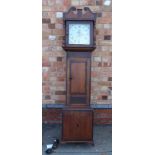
(54, 57)
(101, 116)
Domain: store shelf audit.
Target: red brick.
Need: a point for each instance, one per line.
(60, 92)
(67, 3)
(44, 2)
(46, 89)
(46, 20)
(45, 76)
(61, 78)
(51, 26)
(51, 3)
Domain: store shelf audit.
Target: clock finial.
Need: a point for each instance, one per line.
(79, 12)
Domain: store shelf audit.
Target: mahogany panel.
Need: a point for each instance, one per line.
(77, 125)
(78, 77)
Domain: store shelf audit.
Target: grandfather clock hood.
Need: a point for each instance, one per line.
(79, 16)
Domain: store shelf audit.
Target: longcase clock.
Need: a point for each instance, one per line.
(79, 42)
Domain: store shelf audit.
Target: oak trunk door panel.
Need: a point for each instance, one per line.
(78, 78)
(77, 125)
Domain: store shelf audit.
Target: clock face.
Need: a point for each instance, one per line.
(79, 34)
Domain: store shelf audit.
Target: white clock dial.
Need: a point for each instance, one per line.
(79, 34)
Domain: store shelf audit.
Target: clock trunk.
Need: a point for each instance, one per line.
(78, 78)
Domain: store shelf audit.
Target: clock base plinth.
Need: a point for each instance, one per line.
(88, 142)
(77, 125)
